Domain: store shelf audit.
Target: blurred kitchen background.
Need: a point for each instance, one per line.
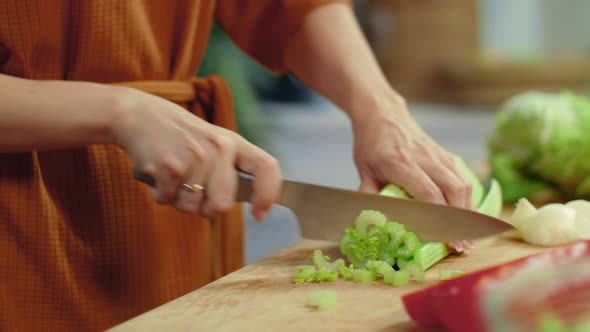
(455, 61)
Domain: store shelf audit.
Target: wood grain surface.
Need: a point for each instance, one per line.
(262, 296)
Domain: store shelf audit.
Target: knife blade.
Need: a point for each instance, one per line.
(324, 212)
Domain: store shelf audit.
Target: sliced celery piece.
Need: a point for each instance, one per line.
(325, 274)
(323, 299)
(305, 273)
(380, 267)
(323, 261)
(449, 274)
(397, 278)
(419, 276)
(415, 271)
(430, 253)
(345, 272)
(369, 218)
(402, 262)
(362, 275)
(410, 244)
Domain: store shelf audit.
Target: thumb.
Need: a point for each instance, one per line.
(369, 184)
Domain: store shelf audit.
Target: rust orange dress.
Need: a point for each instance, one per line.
(82, 245)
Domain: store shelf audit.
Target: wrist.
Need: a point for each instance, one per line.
(378, 107)
(120, 104)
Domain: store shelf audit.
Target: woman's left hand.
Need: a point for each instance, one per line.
(390, 147)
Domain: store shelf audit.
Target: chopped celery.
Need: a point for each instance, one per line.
(325, 274)
(449, 274)
(322, 261)
(415, 271)
(395, 231)
(305, 273)
(402, 262)
(362, 275)
(419, 276)
(397, 278)
(430, 253)
(369, 218)
(379, 267)
(345, 272)
(323, 299)
(410, 244)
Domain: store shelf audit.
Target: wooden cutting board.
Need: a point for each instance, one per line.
(262, 297)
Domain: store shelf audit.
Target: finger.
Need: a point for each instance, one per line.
(168, 176)
(369, 184)
(222, 183)
(267, 181)
(191, 201)
(418, 184)
(452, 165)
(450, 185)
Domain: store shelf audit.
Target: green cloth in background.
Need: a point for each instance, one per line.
(222, 57)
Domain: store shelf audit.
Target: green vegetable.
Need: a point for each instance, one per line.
(323, 271)
(345, 272)
(419, 276)
(362, 275)
(324, 274)
(397, 278)
(415, 271)
(449, 274)
(322, 299)
(379, 267)
(410, 244)
(322, 261)
(402, 262)
(305, 273)
(369, 218)
(429, 254)
(492, 202)
(540, 141)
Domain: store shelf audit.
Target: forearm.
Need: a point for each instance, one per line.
(330, 55)
(41, 115)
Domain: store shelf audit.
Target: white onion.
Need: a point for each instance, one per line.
(524, 210)
(553, 224)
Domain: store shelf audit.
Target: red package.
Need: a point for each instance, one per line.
(510, 295)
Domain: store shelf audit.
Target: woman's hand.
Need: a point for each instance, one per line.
(174, 146)
(390, 147)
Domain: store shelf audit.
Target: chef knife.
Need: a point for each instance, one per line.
(324, 213)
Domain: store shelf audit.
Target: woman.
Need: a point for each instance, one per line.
(91, 89)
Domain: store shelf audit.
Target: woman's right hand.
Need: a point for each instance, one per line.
(174, 146)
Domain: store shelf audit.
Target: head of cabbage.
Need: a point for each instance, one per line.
(542, 140)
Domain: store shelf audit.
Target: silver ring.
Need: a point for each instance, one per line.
(193, 188)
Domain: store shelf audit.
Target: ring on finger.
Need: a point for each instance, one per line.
(193, 188)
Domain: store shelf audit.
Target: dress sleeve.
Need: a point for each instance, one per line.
(263, 28)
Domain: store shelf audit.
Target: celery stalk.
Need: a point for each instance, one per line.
(430, 253)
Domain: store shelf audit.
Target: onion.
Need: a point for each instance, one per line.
(524, 210)
(553, 224)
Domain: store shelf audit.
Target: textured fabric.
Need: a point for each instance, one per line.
(82, 245)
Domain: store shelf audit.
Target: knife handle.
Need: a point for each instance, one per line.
(244, 184)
